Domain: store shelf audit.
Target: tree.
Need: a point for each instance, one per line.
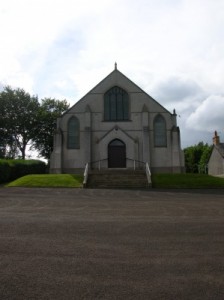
(50, 109)
(18, 121)
(203, 163)
(196, 157)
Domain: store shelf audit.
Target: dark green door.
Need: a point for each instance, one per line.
(116, 154)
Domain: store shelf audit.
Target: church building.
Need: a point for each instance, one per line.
(117, 125)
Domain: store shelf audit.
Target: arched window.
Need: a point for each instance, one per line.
(116, 105)
(73, 133)
(160, 131)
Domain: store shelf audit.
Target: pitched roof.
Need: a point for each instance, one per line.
(220, 148)
(116, 74)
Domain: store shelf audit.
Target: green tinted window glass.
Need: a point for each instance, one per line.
(120, 108)
(116, 105)
(107, 108)
(113, 107)
(126, 106)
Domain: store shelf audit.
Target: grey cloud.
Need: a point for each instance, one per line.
(176, 89)
(200, 114)
(191, 137)
(208, 116)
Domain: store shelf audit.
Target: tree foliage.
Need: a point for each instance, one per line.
(50, 109)
(24, 121)
(18, 111)
(196, 158)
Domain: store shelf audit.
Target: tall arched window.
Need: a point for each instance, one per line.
(160, 131)
(116, 105)
(73, 133)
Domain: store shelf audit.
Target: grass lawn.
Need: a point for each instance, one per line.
(186, 181)
(48, 180)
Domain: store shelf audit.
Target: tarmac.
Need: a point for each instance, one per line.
(111, 244)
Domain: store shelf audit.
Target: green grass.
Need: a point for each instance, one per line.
(48, 180)
(179, 181)
(186, 181)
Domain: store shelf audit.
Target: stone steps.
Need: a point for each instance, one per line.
(118, 179)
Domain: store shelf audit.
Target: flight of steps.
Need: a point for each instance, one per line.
(117, 179)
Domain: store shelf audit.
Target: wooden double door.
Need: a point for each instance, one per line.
(116, 154)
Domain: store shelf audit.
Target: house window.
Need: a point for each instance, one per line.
(73, 133)
(116, 105)
(160, 131)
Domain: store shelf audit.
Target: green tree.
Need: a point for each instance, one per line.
(196, 157)
(203, 163)
(18, 120)
(49, 110)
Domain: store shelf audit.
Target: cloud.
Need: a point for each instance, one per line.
(1, 86)
(29, 30)
(208, 116)
(176, 89)
(172, 49)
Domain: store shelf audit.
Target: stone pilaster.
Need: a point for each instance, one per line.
(87, 134)
(56, 156)
(145, 134)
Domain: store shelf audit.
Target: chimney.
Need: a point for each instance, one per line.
(216, 139)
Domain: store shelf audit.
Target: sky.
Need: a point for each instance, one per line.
(172, 49)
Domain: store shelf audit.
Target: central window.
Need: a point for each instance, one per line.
(116, 105)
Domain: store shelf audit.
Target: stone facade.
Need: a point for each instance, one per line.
(117, 125)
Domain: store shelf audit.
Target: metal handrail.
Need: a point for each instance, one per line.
(98, 161)
(95, 161)
(140, 161)
(146, 164)
(148, 173)
(136, 161)
(127, 158)
(147, 169)
(86, 173)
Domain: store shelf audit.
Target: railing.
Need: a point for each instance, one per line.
(86, 173)
(137, 164)
(148, 173)
(141, 165)
(98, 163)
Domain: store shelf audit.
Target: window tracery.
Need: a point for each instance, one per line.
(116, 105)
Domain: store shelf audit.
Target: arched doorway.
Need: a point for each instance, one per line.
(116, 154)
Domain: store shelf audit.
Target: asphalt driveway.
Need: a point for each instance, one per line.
(111, 244)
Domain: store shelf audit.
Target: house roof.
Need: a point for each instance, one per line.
(220, 148)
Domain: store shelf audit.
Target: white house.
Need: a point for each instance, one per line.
(117, 125)
(216, 160)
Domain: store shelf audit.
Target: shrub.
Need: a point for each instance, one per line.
(4, 171)
(20, 167)
(13, 169)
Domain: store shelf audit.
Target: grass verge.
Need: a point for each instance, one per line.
(186, 181)
(179, 181)
(48, 180)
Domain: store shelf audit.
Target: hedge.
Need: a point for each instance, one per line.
(13, 169)
(5, 171)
